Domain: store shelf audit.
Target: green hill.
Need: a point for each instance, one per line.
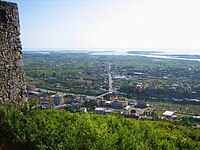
(53, 129)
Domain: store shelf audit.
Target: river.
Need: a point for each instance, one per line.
(164, 55)
(52, 91)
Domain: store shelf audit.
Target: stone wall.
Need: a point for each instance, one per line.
(12, 79)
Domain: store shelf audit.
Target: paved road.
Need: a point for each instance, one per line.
(109, 79)
(110, 87)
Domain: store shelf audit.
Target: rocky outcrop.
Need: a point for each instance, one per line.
(12, 79)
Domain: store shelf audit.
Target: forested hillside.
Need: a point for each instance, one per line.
(53, 129)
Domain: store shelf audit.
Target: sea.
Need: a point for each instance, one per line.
(179, 54)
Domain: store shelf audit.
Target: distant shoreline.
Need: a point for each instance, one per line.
(124, 50)
(153, 54)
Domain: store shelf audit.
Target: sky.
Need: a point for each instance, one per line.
(82, 24)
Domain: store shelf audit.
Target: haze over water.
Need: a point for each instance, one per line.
(121, 51)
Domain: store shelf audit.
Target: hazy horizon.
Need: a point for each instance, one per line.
(122, 51)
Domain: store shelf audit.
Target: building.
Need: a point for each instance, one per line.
(83, 109)
(57, 85)
(56, 100)
(120, 104)
(80, 81)
(133, 116)
(105, 103)
(127, 108)
(100, 110)
(141, 104)
(81, 97)
(168, 113)
(108, 103)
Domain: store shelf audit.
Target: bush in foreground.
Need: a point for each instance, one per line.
(53, 129)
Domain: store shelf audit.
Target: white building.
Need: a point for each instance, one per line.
(168, 113)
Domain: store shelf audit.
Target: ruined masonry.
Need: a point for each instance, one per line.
(12, 79)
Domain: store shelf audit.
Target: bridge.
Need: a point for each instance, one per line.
(102, 95)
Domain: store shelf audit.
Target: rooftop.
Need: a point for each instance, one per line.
(57, 95)
(168, 113)
(99, 108)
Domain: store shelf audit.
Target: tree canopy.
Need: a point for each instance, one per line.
(54, 129)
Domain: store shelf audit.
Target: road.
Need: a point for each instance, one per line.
(110, 87)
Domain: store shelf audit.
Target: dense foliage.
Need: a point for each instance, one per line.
(53, 129)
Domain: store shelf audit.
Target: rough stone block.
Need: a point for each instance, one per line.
(11, 66)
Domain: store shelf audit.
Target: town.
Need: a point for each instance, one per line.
(110, 103)
(133, 77)
(99, 75)
(107, 88)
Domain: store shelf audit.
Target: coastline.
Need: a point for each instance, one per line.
(159, 54)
